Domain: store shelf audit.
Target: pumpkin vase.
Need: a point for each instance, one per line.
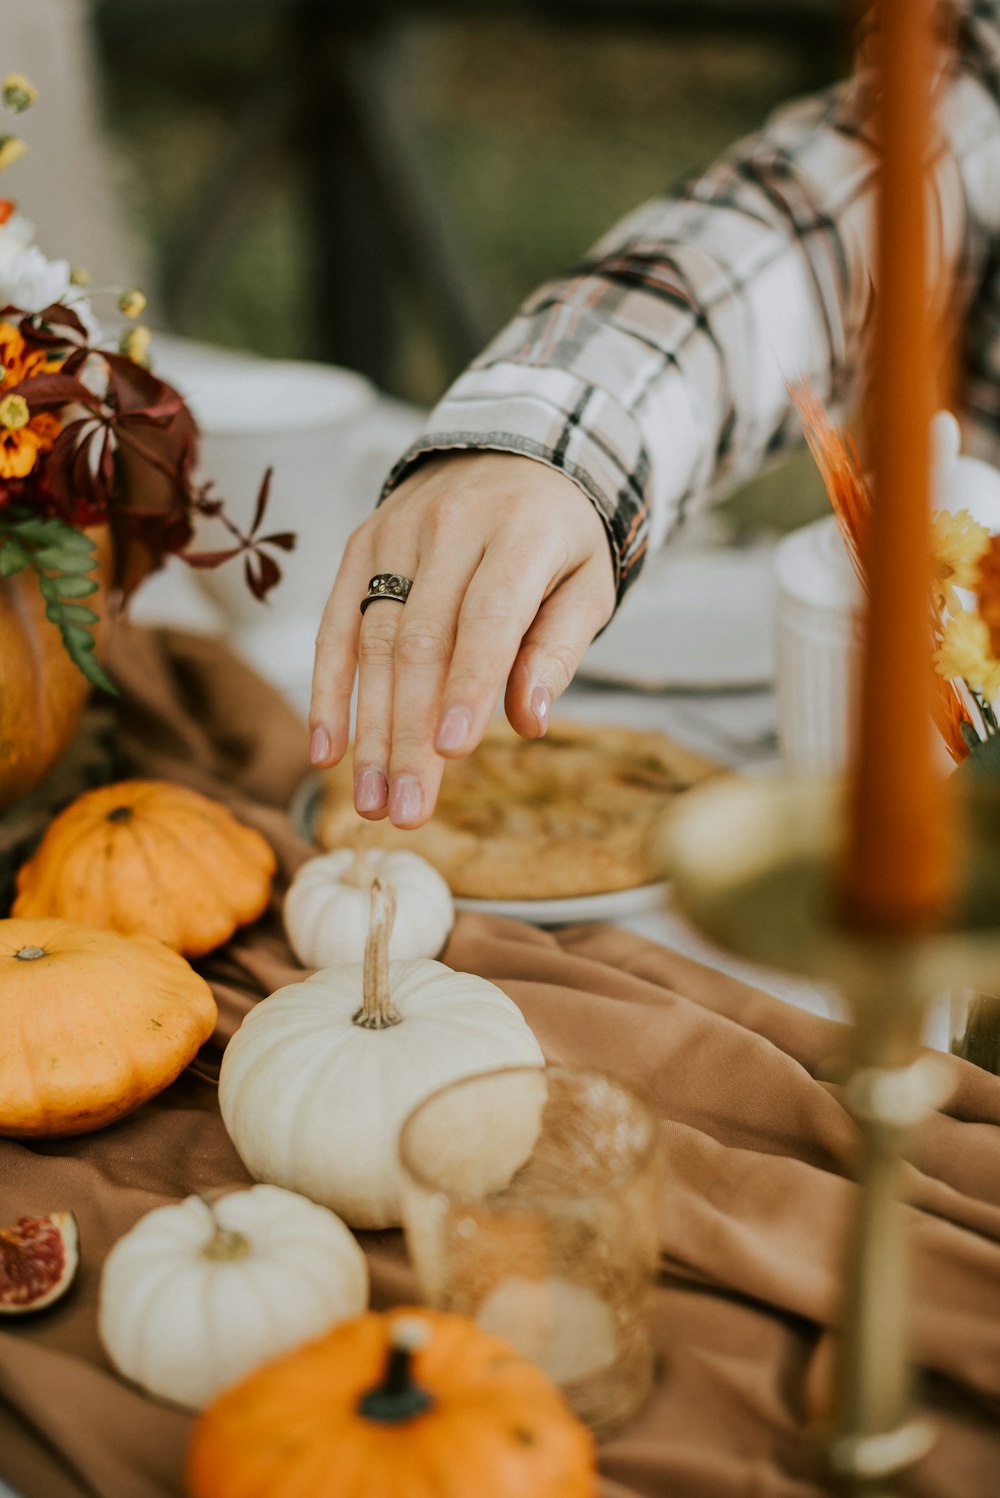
(42, 693)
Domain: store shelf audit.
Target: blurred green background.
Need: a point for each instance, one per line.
(521, 138)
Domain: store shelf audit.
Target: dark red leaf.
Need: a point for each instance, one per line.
(212, 558)
(268, 575)
(136, 389)
(159, 415)
(75, 361)
(57, 314)
(42, 329)
(45, 391)
(263, 495)
(285, 539)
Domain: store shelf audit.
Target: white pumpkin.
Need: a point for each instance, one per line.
(198, 1294)
(317, 1081)
(327, 906)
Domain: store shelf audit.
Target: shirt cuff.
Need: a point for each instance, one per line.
(560, 420)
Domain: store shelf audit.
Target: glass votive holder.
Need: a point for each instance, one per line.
(530, 1200)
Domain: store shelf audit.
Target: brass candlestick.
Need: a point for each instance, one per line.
(754, 866)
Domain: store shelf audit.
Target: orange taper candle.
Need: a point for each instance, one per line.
(897, 871)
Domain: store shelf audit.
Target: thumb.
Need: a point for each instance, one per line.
(554, 645)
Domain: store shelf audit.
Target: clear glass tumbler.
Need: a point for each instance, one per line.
(530, 1203)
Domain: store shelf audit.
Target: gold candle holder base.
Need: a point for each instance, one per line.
(754, 865)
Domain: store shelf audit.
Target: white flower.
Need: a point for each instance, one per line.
(29, 281)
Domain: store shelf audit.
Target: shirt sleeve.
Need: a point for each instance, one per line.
(656, 375)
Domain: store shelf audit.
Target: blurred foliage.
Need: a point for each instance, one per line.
(536, 136)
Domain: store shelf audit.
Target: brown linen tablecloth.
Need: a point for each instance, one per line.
(754, 1208)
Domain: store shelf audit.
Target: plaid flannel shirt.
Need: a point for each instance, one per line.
(655, 375)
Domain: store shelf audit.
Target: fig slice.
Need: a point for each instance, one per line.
(38, 1259)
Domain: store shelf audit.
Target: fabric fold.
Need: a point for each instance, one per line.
(756, 1204)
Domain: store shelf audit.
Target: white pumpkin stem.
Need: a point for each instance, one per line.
(377, 1011)
(224, 1245)
(360, 874)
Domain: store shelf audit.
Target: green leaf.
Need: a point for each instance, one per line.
(984, 758)
(78, 613)
(70, 539)
(43, 532)
(55, 586)
(78, 639)
(13, 558)
(61, 559)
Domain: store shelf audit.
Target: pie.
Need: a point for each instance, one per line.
(577, 812)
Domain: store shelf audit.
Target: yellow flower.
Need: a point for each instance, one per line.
(19, 450)
(965, 652)
(135, 344)
(19, 93)
(14, 413)
(957, 542)
(132, 303)
(12, 148)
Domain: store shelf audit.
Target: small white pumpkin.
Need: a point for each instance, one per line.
(317, 1081)
(327, 906)
(199, 1293)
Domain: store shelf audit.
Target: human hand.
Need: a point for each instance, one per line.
(512, 578)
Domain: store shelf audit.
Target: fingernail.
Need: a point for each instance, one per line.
(453, 729)
(405, 799)
(541, 706)
(370, 790)
(319, 746)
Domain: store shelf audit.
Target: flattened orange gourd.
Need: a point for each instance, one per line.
(94, 1024)
(151, 858)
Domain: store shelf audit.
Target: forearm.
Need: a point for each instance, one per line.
(657, 373)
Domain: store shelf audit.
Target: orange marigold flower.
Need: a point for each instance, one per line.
(21, 446)
(19, 360)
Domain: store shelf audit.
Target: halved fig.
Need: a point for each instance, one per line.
(38, 1259)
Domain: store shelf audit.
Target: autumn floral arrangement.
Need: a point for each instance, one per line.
(91, 437)
(965, 593)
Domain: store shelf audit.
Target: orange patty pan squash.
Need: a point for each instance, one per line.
(152, 858)
(94, 1024)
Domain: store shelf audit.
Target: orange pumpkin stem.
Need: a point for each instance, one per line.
(377, 1011)
(30, 954)
(397, 1397)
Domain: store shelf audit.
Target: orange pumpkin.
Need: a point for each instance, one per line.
(42, 693)
(151, 858)
(410, 1404)
(93, 1023)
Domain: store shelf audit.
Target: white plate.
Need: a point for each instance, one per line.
(697, 619)
(615, 905)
